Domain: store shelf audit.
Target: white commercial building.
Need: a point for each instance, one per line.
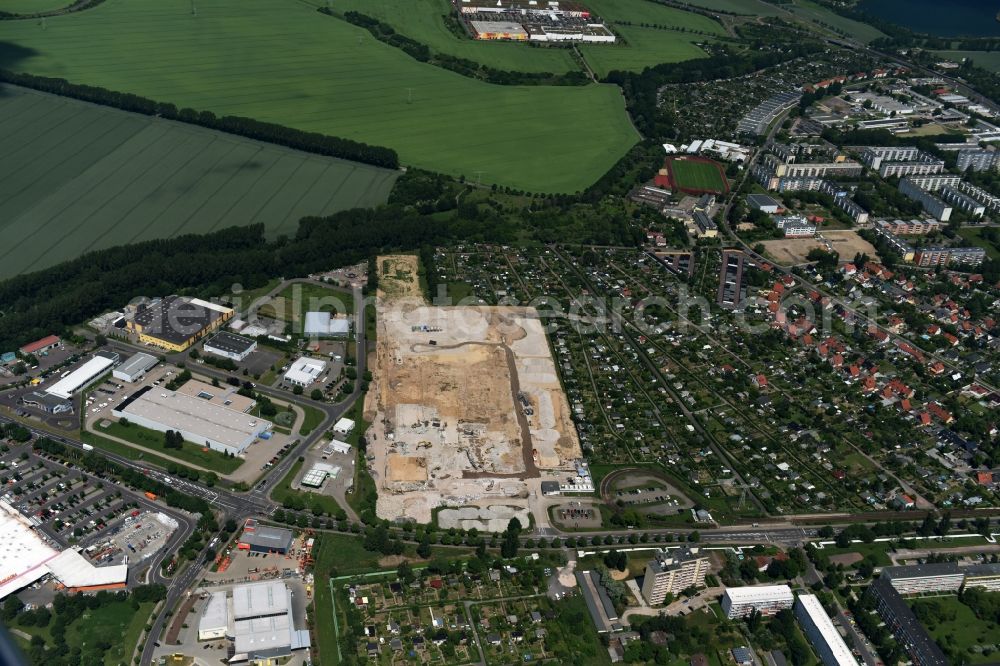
(135, 368)
(343, 426)
(336, 446)
(263, 626)
(214, 621)
(816, 625)
(768, 599)
(26, 558)
(325, 325)
(80, 378)
(199, 421)
(305, 371)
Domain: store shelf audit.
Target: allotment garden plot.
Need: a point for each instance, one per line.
(77, 177)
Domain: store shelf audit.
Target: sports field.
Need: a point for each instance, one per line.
(282, 61)
(697, 175)
(986, 59)
(645, 47)
(423, 20)
(76, 177)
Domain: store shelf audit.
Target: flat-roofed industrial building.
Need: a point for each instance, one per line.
(214, 620)
(135, 368)
(81, 378)
(231, 346)
(223, 396)
(263, 539)
(177, 322)
(199, 421)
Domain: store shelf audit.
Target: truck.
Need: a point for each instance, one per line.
(88, 447)
(150, 495)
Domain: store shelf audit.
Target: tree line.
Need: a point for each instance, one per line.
(421, 52)
(312, 142)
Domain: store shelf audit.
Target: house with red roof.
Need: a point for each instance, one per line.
(39, 346)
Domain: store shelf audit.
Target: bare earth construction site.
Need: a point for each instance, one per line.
(466, 403)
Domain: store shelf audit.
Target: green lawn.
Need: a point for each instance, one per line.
(78, 177)
(644, 47)
(291, 303)
(697, 175)
(423, 20)
(961, 631)
(986, 59)
(313, 417)
(126, 451)
(282, 61)
(153, 440)
(975, 236)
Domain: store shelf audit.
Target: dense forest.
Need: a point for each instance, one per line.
(422, 210)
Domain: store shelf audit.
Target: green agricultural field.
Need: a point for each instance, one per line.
(638, 12)
(32, 6)
(986, 59)
(697, 175)
(423, 20)
(77, 177)
(748, 7)
(282, 61)
(645, 47)
(823, 17)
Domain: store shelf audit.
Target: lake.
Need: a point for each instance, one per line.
(943, 18)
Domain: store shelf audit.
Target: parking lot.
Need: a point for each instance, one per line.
(137, 535)
(72, 508)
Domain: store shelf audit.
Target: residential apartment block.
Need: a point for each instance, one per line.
(669, 572)
(767, 599)
(818, 628)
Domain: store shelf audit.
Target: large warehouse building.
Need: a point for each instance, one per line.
(198, 420)
(325, 325)
(81, 378)
(263, 626)
(135, 368)
(25, 558)
(177, 322)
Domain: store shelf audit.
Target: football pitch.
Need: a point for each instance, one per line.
(77, 177)
(282, 61)
(697, 175)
